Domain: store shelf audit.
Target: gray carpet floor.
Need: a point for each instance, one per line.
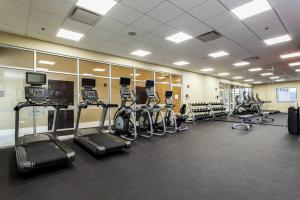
(209, 162)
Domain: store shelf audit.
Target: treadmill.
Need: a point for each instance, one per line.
(96, 139)
(43, 149)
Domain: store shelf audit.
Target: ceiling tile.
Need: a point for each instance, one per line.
(25, 2)
(36, 27)
(208, 9)
(221, 20)
(125, 31)
(100, 33)
(153, 40)
(187, 4)
(147, 23)
(121, 40)
(290, 15)
(41, 36)
(58, 7)
(189, 25)
(12, 29)
(164, 31)
(13, 21)
(165, 12)
(277, 3)
(12, 8)
(259, 23)
(45, 17)
(142, 5)
(110, 24)
(76, 26)
(124, 14)
(231, 4)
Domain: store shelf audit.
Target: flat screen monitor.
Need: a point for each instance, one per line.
(35, 78)
(88, 82)
(168, 94)
(124, 81)
(149, 83)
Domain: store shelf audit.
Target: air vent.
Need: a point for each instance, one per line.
(84, 16)
(251, 58)
(206, 37)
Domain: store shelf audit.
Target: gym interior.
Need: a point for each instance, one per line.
(149, 99)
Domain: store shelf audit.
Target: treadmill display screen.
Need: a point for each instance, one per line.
(149, 83)
(89, 94)
(35, 78)
(36, 93)
(168, 94)
(88, 82)
(124, 81)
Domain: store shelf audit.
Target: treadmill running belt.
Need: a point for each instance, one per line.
(108, 142)
(43, 153)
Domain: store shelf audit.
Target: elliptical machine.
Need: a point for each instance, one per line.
(158, 121)
(173, 122)
(124, 118)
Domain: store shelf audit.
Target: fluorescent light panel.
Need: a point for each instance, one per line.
(207, 69)
(99, 70)
(46, 62)
(181, 63)
(280, 80)
(255, 69)
(252, 8)
(70, 35)
(267, 74)
(290, 55)
(248, 80)
(239, 64)
(224, 74)
(140, 53)
(237, 77)
(179, 37)
(218, 54)
(257, 82)
(277, 40)
(297, 70)
(97, 6)
(274, 77)
(41, 69)
(294, 64)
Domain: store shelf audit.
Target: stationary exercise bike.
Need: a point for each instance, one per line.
(158, 120)
(125, 116)
(173, 122)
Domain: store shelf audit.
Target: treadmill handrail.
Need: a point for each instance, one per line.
(42, 104)
(96, 103)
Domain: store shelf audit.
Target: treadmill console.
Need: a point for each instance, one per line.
(125, 92)
(36, 93)
(168, 95)
(89, 94)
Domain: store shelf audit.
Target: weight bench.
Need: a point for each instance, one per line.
(264, 116)
(247, 122)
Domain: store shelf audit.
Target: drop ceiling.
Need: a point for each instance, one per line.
(154, 20)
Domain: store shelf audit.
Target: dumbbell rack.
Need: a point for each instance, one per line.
(200, 111)
(218, 109)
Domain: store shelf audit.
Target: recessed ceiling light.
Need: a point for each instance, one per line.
(257, 82)
(280, 80)
(224, 74)
(239, 64)
(294, 64)
(207, 69)
(179, 37)
(267, 74)
(252, 8)
(274, 77)
(100, 7)
(249, 80)
(277, 40)
(70, 35)
(297, 70)
(86, 74)
(218, 54)
(255, 69)
(290, 55)
(99, 70)
(237, 77)
(46, 62)
(181, 63)
(140, 53)
(161, 77)
(135, 74)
